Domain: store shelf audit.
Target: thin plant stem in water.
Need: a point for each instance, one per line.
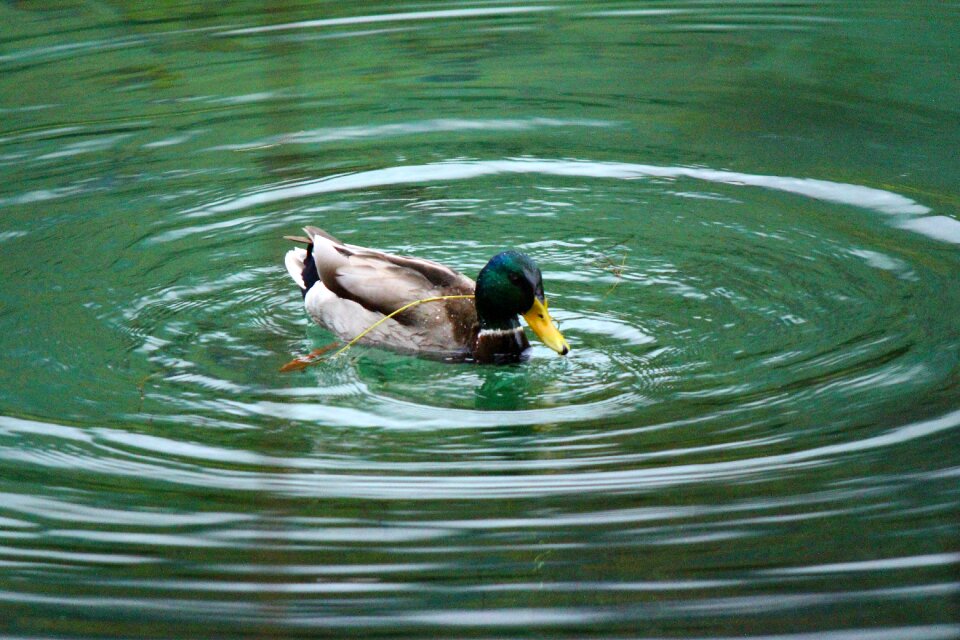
(305, 361)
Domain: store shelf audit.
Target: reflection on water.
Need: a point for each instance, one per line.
(746, 217)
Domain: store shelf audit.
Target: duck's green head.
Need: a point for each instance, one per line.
(510, 285)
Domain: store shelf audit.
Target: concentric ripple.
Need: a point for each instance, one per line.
(746, 217)
(732, 341)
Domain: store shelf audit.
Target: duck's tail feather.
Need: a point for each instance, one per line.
(293, 261)
(316, 231)
(309, 274)
(300, 262)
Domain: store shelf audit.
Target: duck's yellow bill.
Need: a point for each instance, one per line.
(542, 325)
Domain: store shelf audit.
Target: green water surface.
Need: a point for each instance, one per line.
(747, 218)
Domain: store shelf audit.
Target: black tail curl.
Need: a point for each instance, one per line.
(309, 273)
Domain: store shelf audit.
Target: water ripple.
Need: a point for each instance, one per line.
(410, 486)
(390, 17)
(747, 229)
(886, 202)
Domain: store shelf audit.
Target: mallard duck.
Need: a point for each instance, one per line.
(347, 288)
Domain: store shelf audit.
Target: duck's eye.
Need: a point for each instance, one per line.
(515, 278)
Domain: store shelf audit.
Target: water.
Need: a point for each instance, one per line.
(747, 217)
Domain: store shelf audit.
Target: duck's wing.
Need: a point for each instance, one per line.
(378, 281)
(347, 288)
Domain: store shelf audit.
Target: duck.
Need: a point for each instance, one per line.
(347, 289)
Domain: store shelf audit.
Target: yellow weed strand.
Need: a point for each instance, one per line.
(390, 315)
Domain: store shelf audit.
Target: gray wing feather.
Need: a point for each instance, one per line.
(359, 286)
